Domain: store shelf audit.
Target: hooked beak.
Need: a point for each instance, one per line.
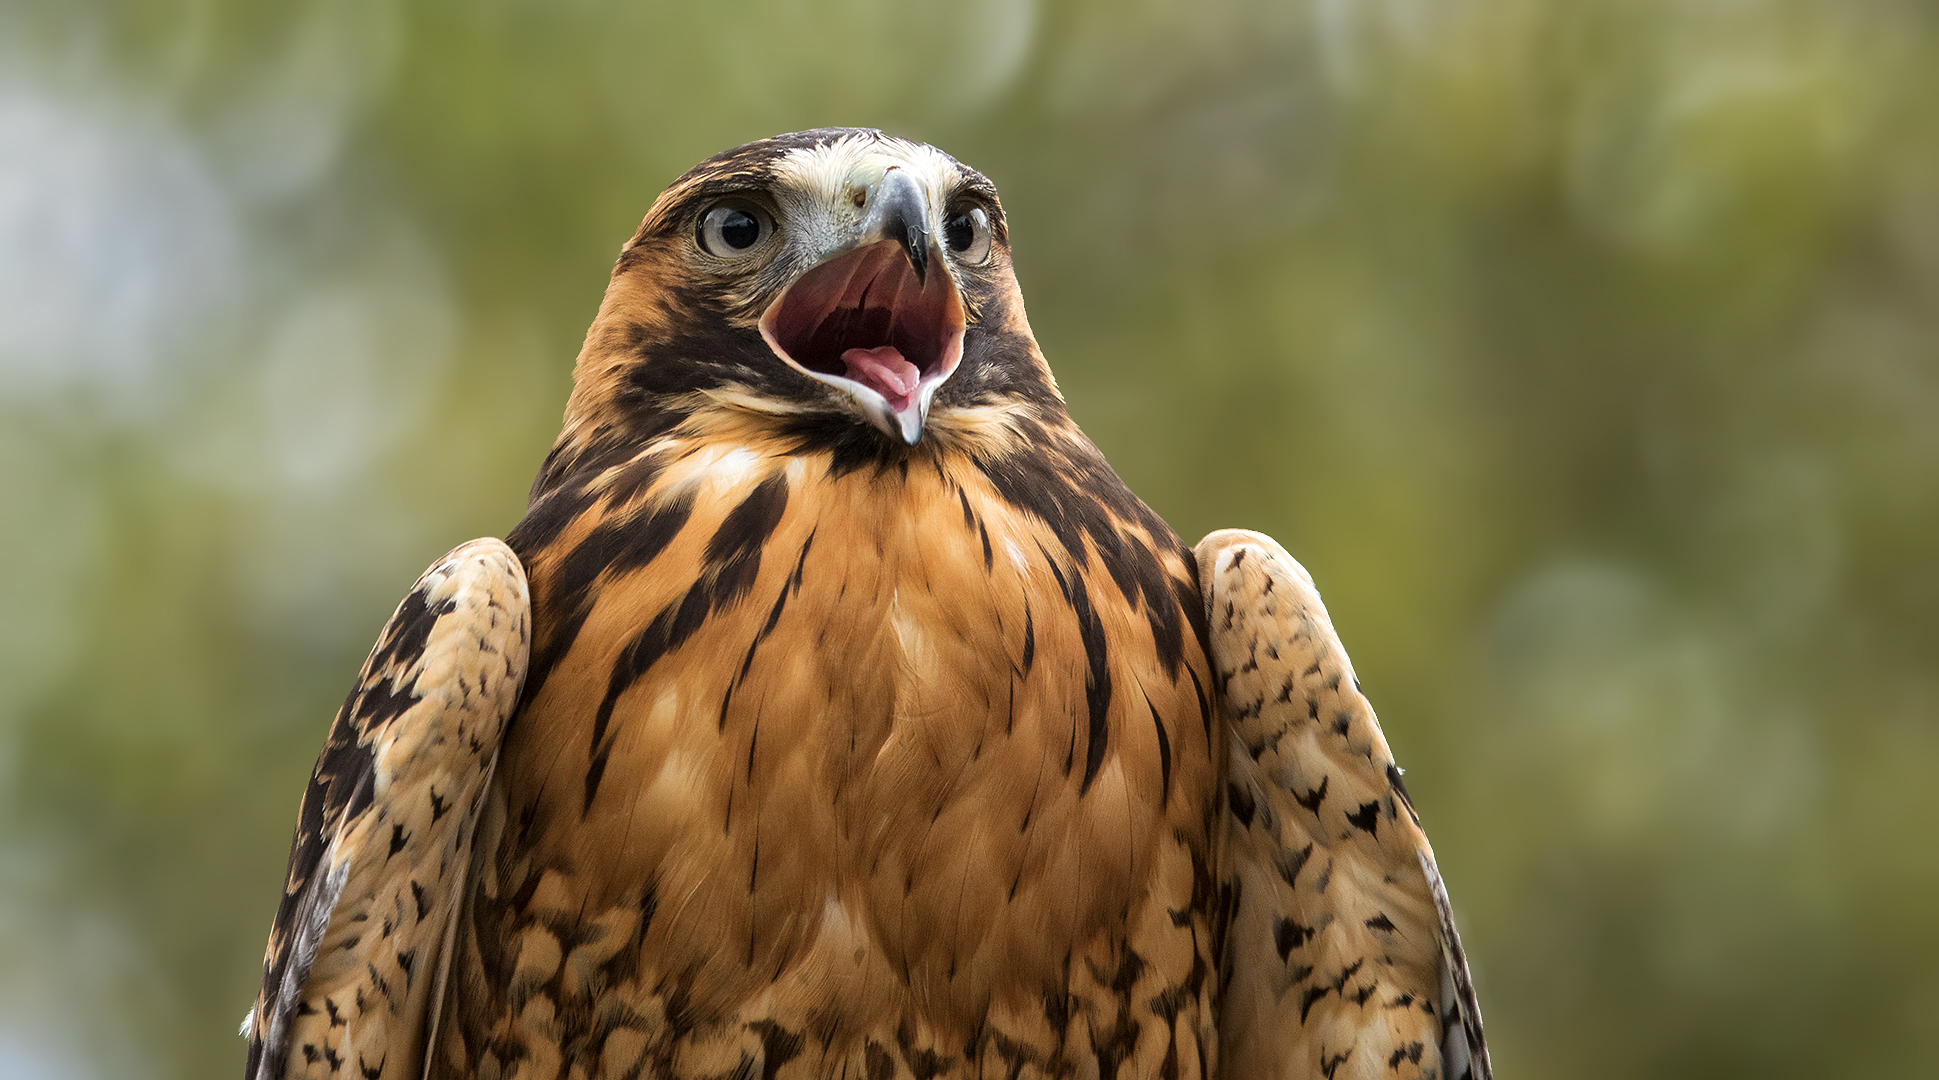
(869, 321)
(896, 211)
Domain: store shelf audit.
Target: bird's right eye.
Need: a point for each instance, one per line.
(733, 229)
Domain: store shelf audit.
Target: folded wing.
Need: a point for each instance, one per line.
(356, 955)
(1340, 958)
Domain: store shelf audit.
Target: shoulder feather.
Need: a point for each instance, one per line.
(1340, 957)
(383, 839)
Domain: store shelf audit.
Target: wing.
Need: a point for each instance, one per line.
(357, 953)
(1340, 957)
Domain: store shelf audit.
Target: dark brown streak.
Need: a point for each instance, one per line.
(733, 558)
(1164, 754)
(1097, 682)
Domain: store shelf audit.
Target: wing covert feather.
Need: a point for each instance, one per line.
(1340, 957)
(383, 840)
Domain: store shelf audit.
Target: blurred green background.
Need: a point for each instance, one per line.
(1586, 351)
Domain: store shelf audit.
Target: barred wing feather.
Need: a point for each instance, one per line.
(354, 967)
(1340, 957)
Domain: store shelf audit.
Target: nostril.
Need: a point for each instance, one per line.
(861, 197)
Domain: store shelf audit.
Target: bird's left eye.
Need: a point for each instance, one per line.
(967, 232)
(732, 229)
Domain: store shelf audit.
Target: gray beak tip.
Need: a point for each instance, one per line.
(898, 213)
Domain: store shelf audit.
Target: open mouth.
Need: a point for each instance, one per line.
(863, 322)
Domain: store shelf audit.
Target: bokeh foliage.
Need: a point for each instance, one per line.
(1587, 351)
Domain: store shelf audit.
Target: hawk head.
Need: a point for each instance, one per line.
(837, 284)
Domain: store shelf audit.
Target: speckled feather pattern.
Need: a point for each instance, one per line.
(383, 840)
(1340, 955)
(836, 757)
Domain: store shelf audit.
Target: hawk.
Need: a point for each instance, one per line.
(836, 711)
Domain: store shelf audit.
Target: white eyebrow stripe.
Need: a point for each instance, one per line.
(821, 174)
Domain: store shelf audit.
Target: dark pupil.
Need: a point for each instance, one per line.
(959, 232)
(738, 229)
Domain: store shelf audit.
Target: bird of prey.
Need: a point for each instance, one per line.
(836, 711)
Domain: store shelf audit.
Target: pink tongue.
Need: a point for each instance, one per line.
(883, 370)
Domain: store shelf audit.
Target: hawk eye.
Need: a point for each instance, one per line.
(733, 228)
(967, 232)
